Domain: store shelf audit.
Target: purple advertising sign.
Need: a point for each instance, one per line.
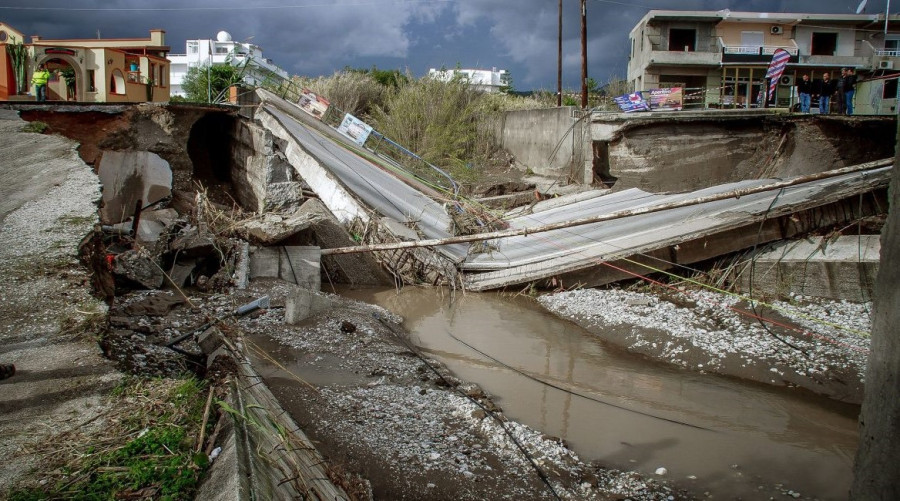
(630, 103)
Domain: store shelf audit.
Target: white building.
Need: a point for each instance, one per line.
(223, 50)
(492, 80)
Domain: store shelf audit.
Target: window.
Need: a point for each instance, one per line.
(892, 47)
(682, 40)
(193, 47)
(890, 89)
(823, 44)
(91, 81)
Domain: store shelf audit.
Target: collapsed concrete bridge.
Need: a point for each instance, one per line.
(631, 229)
(272, 156)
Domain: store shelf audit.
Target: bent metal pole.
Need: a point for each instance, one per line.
(606, 217)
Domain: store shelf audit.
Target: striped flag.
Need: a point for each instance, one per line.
(776, 68)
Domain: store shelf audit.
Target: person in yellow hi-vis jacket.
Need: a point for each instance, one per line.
(40, 78)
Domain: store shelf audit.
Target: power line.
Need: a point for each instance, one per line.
(220, 8)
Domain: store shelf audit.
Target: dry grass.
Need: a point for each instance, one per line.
(351, 91)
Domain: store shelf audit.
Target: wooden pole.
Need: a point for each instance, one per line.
(584, 73)
(559, 61)
(605, 217)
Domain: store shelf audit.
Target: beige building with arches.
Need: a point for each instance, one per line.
(101, 70)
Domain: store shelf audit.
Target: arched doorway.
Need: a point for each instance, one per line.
(66, 78)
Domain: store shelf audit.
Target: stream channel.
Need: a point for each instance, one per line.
(746, 440)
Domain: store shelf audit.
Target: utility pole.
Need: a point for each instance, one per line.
(887, 13)
(584, 76)
(559, 61)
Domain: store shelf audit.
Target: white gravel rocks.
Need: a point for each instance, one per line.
(703, 329)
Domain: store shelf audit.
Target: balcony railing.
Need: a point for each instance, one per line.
(889, 53)
(757, 50)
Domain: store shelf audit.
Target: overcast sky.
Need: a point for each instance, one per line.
(317, 37)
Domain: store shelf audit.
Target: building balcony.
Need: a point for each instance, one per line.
(755, 54)
(679, 58)
(834, 61)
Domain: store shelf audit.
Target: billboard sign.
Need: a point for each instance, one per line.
(630, 103)
(670, 99)
(354, 128)
(313, 104)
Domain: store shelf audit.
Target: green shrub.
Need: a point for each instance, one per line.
(147, 448)
(36, 126)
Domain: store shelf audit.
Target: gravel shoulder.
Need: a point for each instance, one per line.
(815, 344)
(49, 202)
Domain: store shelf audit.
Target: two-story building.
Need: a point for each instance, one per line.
(257, 69)
(721, 57)
(99, 70)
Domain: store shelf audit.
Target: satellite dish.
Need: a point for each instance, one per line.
(861, 7)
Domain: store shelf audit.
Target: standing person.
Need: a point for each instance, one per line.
(839, 83)
(40, 79)
(849, 80)
(804, 89)
(825, 89)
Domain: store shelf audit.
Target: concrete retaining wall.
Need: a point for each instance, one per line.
(533, 135)
(842, 269)
(684, 151)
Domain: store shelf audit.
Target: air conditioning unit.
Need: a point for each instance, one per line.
(776, 30)
(885, 65)
(786, 80)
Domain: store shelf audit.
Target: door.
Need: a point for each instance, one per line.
(753, 39)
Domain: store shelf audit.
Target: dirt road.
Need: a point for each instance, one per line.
(47, 204)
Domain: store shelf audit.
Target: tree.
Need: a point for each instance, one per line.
(506, 83)
(210, 84)
(18, 55)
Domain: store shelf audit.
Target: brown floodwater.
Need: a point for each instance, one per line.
(740, 440)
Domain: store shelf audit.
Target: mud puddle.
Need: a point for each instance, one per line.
(739, 440)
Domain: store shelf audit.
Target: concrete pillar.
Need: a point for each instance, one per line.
(875, 471)
(295, 264)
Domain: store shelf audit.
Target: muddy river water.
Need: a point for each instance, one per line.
(739, 439)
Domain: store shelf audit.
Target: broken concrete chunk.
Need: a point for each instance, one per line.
(129, 176)
(303, 304)
(138, 266)
(192, 243)
(182, 270)
(350, 268)
(399, 229)
(295, 264)
(273, 228)
(156, 306)
(166, 217)
(149, 231)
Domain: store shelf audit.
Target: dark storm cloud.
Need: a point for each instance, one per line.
(314, 37)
